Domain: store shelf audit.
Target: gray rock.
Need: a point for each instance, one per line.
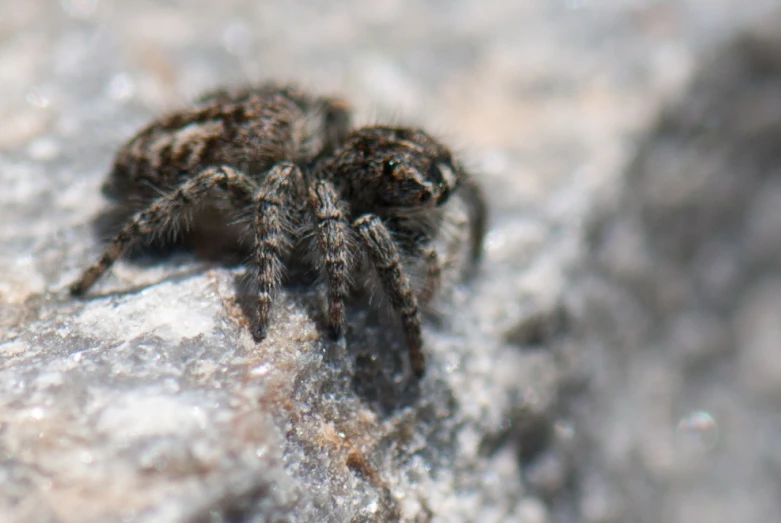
(613, 369)
(686, 278)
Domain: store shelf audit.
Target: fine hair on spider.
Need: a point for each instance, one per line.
(284, 170)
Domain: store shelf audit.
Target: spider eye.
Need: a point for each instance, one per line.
(444, 176)
(389, 167)
(435, 174)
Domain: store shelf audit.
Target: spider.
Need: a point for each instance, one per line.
(284, 169)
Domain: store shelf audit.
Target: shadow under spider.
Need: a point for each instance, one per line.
(373, 342)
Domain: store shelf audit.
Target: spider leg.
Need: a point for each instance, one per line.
(433, 274)
(478, 216)
(385, 256)
(333, 239)
(232, 183)
(272, 235)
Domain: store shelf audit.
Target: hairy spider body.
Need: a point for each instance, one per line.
(285, 167)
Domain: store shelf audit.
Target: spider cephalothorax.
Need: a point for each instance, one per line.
(284, 166)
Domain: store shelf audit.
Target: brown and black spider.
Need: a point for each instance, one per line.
(285, 167)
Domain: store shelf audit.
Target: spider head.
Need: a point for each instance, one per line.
(396, 168)
(415, 182)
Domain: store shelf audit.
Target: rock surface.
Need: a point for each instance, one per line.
(686, 277)
(615, 359)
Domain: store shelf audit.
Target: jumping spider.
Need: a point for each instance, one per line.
(284, 167)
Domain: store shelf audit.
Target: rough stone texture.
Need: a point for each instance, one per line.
(616, 358)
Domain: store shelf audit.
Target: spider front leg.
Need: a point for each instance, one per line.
(272, 235)
(333, 240)
(231, 183)
(385, 256)
(478, 216)
(433, 274)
